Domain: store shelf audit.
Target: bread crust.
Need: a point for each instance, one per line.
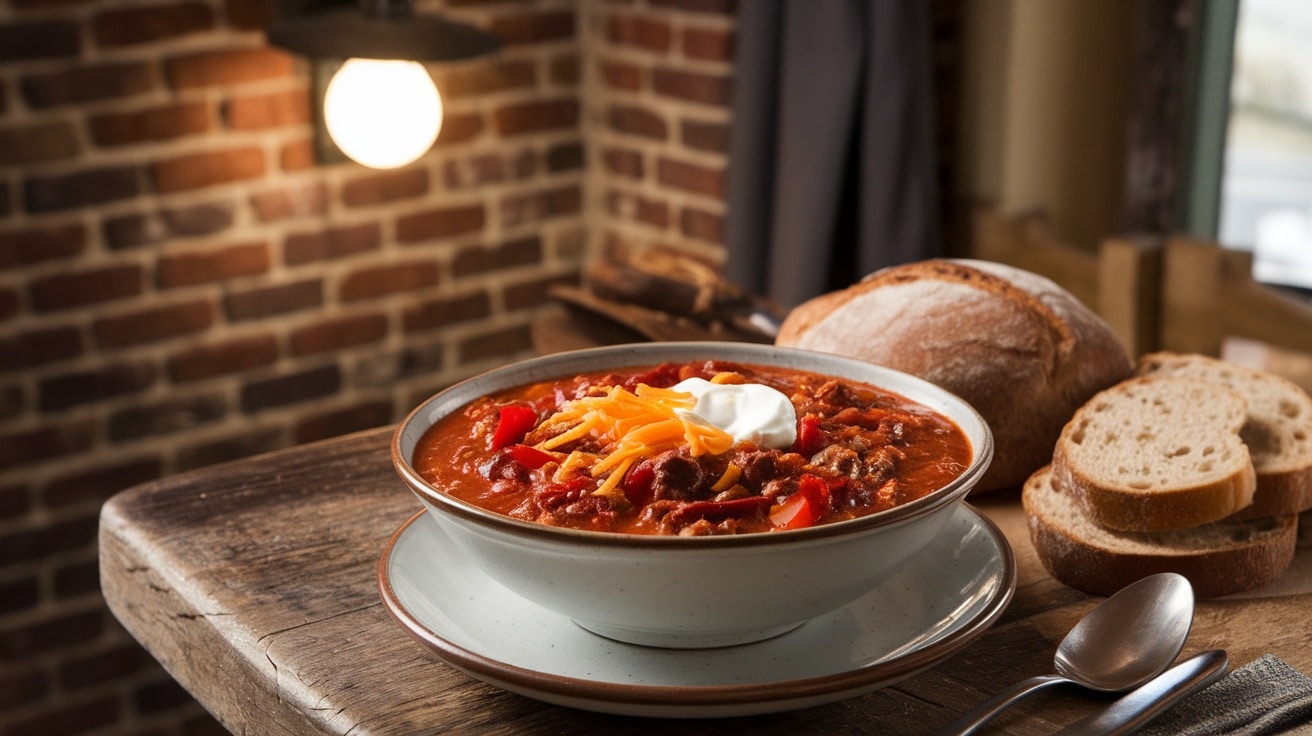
(1116, 502)
(1278, 430)
(1101, 561)
(1020, 349)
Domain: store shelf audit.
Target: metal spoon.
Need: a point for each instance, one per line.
(1125, 641)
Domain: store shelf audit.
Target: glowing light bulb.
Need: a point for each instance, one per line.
(382, 113)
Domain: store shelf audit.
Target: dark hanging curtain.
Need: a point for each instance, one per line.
(832, 162)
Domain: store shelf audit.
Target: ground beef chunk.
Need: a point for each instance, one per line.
(678, 477)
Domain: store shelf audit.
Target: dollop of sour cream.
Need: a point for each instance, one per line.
(750, 412)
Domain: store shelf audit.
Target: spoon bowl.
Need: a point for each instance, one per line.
(1125, 641)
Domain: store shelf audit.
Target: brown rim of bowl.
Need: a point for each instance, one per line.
(643, 354)
(888, 670)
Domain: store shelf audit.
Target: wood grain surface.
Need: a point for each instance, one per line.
(254, 583)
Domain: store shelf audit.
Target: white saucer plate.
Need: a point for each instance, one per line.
(945, 598)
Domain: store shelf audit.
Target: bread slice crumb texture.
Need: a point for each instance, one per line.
(1158, 452)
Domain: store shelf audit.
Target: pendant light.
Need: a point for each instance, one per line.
(378, 105)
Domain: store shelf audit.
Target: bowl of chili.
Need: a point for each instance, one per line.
(692, 494)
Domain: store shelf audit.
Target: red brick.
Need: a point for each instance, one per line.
(334, 334)
(227, 67)
(511, 254)
(39, 346)
(15, 501)
(249, 15)
(226, 357)
(197, 170)
(165, 122)
(290, 388)
(90, 286)
(44, 443)
(565, 157)
(167, 417)
(40, 143)
(140, 25)
(636, 121)
(249, 441)
(282, 204)
(535, 292)
(717, 7)
(343, 421)
(79, 189)
(701, 225)
(82, 84)
(332, 244)
(459, 128)
(265, 111)
(448, 311)
(480, 78)
(19, 686)
(13, 402)
(705, 136)
(113, 665)
(527, 28)
(297, 156)
(99, 483)
(620, 75)
(564, 71)
(517, 209)
(486, 168)
(535, 116)
(67, 390)
(137, 229)
(646, 33)
(54, 39)
(153, 323)
(443, 222)
(41, 543)
(623, 162)
(31, 245)
(707, 89)
(391, 186)
(691, 177)
(636, 208)
(69, 718)
(9, 303)
(708, 44)
(268, 301)
(77, 580)
(496, 344)
(220, 264)
(392, 278)
(18, 595)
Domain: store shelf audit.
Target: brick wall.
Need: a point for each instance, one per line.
(181, 285)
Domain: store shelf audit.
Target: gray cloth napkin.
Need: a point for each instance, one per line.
(1265, 696)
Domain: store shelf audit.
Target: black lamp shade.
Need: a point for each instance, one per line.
(353, 32)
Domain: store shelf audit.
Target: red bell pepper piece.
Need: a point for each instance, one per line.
(530, 457)
(795, 513)
(810, 438)
(514, 422)
(816, 490)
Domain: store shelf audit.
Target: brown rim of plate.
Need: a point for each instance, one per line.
(888, 670)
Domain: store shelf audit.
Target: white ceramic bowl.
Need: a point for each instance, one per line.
(691, 591)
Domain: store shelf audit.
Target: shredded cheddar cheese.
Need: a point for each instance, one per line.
(632, 425)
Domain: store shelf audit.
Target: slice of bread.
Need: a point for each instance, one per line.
(1019, 348)
(1277, 430)
(1157, 452)
(1220, 558)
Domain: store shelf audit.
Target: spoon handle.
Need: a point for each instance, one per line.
(1135, 710)
(985, 711)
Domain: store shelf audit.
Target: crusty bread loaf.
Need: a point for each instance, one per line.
(1277, 431)
(1019, 348)
(1157, 452)
(1223, 557)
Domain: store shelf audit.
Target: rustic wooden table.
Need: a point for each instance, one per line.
(254, 583)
